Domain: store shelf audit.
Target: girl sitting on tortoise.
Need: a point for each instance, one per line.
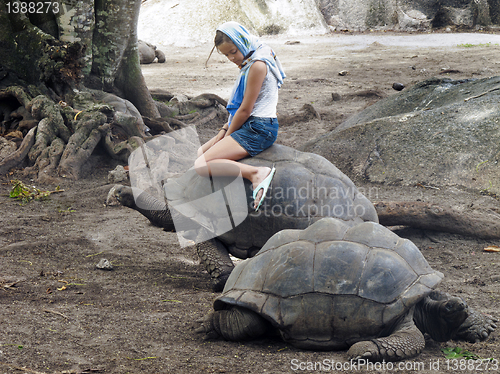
(252, 126)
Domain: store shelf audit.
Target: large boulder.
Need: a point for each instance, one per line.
(440, 132)
(408, 14)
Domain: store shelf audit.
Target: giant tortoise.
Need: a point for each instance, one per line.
(148, 53)
(305, 188)
(334, 286)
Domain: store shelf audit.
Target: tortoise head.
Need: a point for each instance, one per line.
(124, 195)
(441, 315)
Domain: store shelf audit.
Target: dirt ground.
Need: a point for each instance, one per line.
(59, 314)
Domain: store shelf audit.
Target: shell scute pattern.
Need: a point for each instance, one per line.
(288, 272)
(347, 259)
(373, 236)
(305, 188)
(300, 277)
(385, 276)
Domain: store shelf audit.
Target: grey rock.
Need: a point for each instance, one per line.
(104, 265)
(440, 132)
(119, 174)
(398, 86)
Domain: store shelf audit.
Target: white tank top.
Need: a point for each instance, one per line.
(265, 105)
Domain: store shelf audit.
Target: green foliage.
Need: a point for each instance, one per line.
(26, 193)
(67, 210)
(457, 352)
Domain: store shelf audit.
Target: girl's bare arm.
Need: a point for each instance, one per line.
(256, 76)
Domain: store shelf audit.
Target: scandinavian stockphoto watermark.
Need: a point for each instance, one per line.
(204, 208)
(310, 200)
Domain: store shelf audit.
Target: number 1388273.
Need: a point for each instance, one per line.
(33, 7)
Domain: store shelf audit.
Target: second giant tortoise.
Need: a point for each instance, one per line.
(305, 188)
(332, 286)
(148, 53)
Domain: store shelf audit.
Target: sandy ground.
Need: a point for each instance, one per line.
(59, 314)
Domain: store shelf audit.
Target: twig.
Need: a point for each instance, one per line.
(482, 94)
(10, 286)
(53, 311)
(427, 186)
(95, 254)
(55, 191)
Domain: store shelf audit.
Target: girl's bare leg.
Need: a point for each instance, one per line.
(219, 160)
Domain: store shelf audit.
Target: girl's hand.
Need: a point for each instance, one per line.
(205, 147)
(220, 136)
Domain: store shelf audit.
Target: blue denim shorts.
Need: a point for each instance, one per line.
(257, 134)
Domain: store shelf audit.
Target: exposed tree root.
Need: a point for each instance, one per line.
(162, 95)
(470, 222)
(15, 158)
(159, 125)
(82, 143)
(60, 137)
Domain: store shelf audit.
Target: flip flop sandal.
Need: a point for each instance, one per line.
(265, 186)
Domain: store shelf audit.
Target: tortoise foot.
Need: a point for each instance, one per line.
(235, 324)
(207, 328)
(366, 350)
(219, 282)
(477, 327)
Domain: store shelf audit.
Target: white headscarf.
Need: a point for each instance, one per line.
(253, 50)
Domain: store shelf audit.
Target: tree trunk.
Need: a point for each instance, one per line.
(72, 72)
(470, 222)
(116, 56)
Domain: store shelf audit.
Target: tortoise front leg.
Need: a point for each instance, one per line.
(476, 327)
(234, 324)
(406, 342)
(215, 256)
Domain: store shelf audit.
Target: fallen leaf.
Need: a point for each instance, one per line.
(492, 248)
(62, 288)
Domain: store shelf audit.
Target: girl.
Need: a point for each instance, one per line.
(252, 126)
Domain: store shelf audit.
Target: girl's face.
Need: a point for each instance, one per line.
(231, 52)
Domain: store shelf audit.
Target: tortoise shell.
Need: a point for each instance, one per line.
(305, 188)
(331, 285)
